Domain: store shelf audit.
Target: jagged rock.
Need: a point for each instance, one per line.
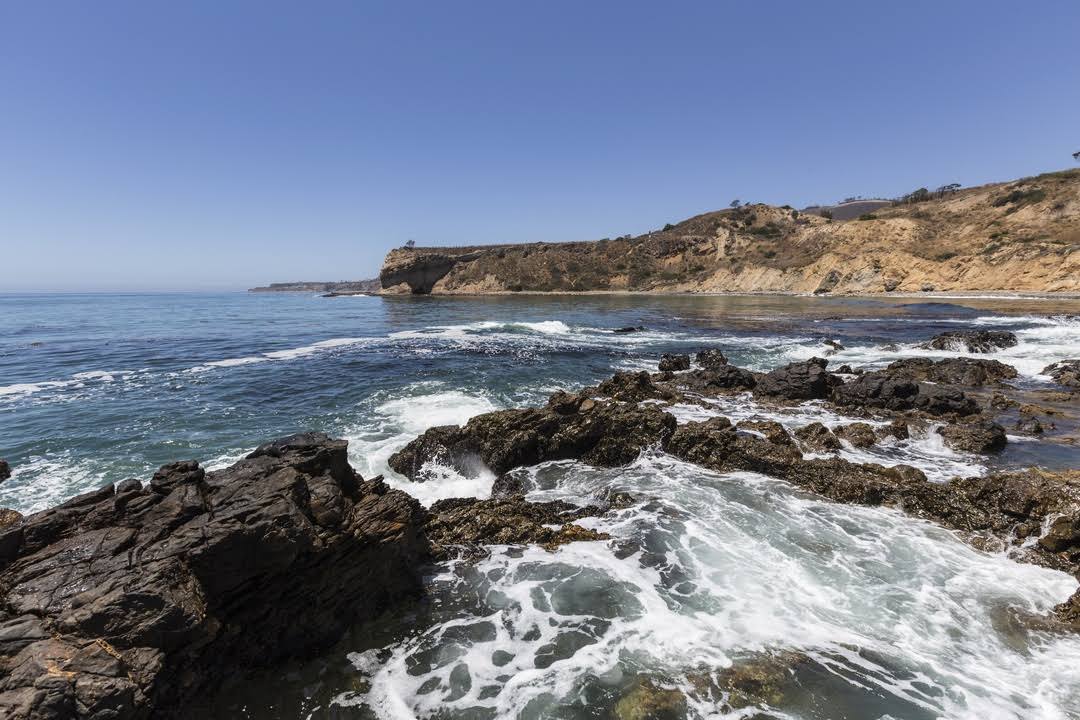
(959, 371)
(600, 433)
(163, 591)
(979, 436)
(711, 358)
(461, 526)
(717, 379)
(5, 470)
(815, 437)
(859, 434)
(807, 380)
(836, 347)
(890, 391)
(830, 281)
(845, 370)
(972, 341)
(419, 270)
(772, 431)
(1066, 372)
(632, 387)
(1063, 535)
(670, 362)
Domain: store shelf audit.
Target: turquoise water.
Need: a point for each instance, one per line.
(902, 619)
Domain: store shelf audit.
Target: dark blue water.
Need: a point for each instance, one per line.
(900, 618)
(96, 388)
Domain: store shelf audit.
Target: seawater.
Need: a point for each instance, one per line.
(898, 618)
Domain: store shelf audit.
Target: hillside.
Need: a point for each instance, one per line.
(1018, 236)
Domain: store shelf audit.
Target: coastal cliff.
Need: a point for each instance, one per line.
(1017, 236)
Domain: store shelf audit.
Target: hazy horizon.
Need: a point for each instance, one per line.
(197, 147)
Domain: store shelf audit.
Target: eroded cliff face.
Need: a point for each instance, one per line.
(1019, 236)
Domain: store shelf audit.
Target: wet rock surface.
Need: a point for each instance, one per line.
(711, 358)
(577, 427)
(817, 438)
(5, 470)
(1066, 372)
(125, 602)
(463, 526)
(973, 341)
(979, 436)
(973, 372)
(896, 391)
(860, 435)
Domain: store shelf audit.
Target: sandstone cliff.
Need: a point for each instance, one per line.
(1018, 236)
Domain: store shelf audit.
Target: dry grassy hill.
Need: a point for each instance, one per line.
(1017, 236)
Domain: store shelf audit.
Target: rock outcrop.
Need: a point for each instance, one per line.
(124, 602)
(972, 341)
(5, 470)
(606, 434)
(970, 372)
(1066, 372)
(798, 381)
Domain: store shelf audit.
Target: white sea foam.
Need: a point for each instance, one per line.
(287, 354)
(900, 611)
(394, 423)
(42, 481)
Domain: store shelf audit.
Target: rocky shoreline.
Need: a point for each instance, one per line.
(131, 601)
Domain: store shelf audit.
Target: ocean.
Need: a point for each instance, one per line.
(898, 616)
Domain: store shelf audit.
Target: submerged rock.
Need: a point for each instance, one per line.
(670, 362)
(646, 700)
(163, 591)
(806, 380)
(771, 430)
(979, 436)
(628, 329)
(1066, 372)
(5, 470)
(463, 525)
(972, 341)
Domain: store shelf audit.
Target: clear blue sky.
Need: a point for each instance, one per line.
(225, 144)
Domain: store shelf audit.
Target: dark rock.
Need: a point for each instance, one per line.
(711, 358)
(163, 591)
(898, 429)
(632, 387)
(979, 436)
(717, 379)
(859, 434)
(845, 370)
(601, 433)
(807, 380)
(972, 341)
(128, 486)
(5, 470)
(629, 329)
(669, 362)
(1066, 372)
(958, 371)
(1063, 535)
(836, 347)
(815, 437)
(462, 526)
(772, 431)
(891, 391)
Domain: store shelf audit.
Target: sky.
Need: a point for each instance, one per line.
(226, 144)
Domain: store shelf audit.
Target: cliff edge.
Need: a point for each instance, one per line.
(1018, 236)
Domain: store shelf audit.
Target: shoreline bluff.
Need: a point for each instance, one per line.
(1016, 237)
(132, 600)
